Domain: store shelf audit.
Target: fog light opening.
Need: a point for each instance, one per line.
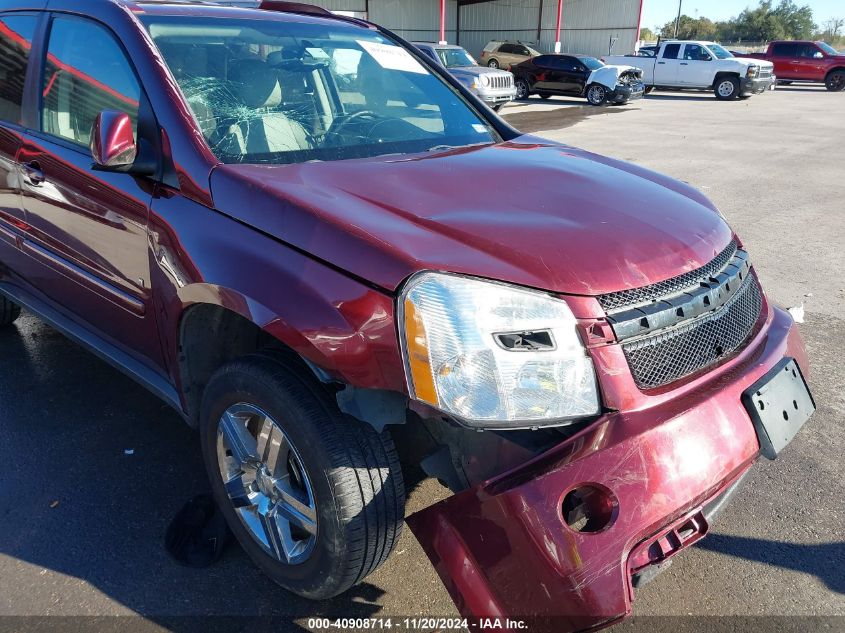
(589, 508)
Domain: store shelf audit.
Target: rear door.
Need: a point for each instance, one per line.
(785, 58)
(668, 65)
(543, 79)
(87, 237)
(696, 67)
(17, 33)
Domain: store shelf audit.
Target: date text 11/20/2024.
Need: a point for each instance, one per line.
(417, 624)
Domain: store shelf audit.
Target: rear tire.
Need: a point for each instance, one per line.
(648, 90)
(316, 498)
(545, 95)
(835, 81)
(9, 312)
(727, 88)
(523, 90)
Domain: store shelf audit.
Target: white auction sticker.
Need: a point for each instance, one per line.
(393, 57)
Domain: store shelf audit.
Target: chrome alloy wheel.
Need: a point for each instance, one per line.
(266, 483)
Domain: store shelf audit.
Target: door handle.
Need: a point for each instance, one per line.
(662, 63)
(32, 172)
(684, 64)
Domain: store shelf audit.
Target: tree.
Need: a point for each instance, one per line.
(767, 22)
(647, 35)
(833, 27)
(690, 29)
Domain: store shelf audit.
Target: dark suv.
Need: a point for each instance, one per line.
(303, 236)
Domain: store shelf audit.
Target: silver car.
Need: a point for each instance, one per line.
(493, 86)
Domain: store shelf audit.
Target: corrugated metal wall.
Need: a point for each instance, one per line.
(588, 25)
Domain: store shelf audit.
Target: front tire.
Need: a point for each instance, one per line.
(596, 95)
(493, 63)
(727, 88)
(9, 312)
(835, 81)
(523, 90)
(315, 498)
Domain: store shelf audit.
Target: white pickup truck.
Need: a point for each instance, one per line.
(700, 66)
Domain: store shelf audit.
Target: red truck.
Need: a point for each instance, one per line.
(806, 61)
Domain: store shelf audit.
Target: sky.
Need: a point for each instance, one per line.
(659, 12)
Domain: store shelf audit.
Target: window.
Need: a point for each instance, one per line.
(671, 51)
(807, 50)
(785, 49)
(827, 48)
(696, 53)
(719, 52)
(590, 62)
(427, 51)
(568, 64)
(509, 49)
(86, 73)
(455, 58)
(16, 33)
(273, 92)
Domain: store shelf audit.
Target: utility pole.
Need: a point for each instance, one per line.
(678, 21)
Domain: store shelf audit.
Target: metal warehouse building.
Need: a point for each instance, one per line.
(585, 26)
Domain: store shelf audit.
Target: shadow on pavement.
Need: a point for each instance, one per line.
(93, 469)
(825, 561)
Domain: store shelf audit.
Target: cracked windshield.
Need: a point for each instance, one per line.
(274, 92)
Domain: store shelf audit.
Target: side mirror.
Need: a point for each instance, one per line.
(112, 141)
(818, 55)
(708, 58)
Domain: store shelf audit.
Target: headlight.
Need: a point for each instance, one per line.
(752, 71)
(485, 80)
(493, 355)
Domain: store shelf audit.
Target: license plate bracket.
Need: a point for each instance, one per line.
(779, 404)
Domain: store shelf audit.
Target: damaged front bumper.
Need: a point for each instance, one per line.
(627, 92)
(757, 85)
(511, 547)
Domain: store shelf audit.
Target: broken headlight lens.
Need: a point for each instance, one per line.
(493, 355)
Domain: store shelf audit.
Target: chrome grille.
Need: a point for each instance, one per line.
(647, 294)
(501, 81)
(765, 73)
(683, 350)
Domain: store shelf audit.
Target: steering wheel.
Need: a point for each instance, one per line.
(340, 124)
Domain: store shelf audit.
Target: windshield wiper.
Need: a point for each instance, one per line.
(446, 148)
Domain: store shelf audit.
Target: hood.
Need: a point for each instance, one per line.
(527, 212)
(608, 75)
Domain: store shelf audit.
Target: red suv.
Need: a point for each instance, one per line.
(301, 234)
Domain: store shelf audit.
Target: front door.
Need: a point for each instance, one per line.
(569, 76)
(16, 35)
(696, 67)
(87, 237)
(810, 64)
